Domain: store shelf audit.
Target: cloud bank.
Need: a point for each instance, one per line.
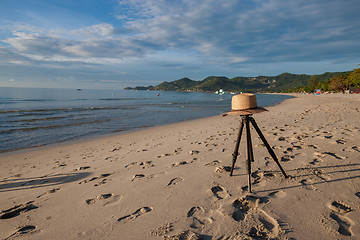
(210, 32)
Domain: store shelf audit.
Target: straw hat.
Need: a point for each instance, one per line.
(245, 104)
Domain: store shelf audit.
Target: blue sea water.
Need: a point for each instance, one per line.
(34, 117)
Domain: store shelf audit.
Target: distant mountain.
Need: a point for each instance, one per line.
(239, 84)
(182, 84)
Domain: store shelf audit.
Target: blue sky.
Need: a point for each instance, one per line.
(119, 43)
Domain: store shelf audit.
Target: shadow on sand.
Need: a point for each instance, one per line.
(14, 184)
(335, 168)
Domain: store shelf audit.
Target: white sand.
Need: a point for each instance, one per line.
(172, 182)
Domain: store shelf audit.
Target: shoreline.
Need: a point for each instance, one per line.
(100, 136)
(172, 181)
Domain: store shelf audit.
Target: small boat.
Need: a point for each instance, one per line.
(220, 92)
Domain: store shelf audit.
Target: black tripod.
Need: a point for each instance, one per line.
(245, 119)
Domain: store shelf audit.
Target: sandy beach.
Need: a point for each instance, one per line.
(172, 182)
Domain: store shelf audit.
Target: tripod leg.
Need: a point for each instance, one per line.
(236, 151)
(249, 151)
(248, 134)
(267, 145)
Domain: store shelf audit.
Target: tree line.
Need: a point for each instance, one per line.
(339, 83)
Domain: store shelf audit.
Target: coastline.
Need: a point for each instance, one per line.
(172, 181)
(50, 133)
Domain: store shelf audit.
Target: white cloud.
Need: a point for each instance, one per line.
(251, 30)
(217, 32)
(99, 30)
(238, 59)
(17, 62)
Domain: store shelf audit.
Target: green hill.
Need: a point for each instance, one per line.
(277, 83)
(182, 84)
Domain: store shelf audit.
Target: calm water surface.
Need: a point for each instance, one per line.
(35, 117)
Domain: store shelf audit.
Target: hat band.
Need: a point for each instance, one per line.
(244, 109)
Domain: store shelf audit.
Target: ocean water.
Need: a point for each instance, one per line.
(35, 117)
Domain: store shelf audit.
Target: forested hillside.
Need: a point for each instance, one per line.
(284, 82)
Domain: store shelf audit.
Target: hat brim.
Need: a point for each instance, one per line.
(247, 111)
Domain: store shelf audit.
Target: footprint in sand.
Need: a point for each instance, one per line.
(102, 177)
(340, 207)
(223, 169)
(344, 224)
(155, 175)
(198, 217)
(328, 136)
(28, 229)
(16, 210)
(286, 158)
(357, 194)
(314, 161)
(297, 147)
(213, 163)
(174, 181)
(176, 152)
(281, 139)
(179, 164)
(59, 164)
(134, 215)
(323, 154)
(146, 164)
(194, 152)
(355, 148)
(308, 184)
(54, 190)
(184, 235)
(340, 141)
(260, 177)
(101, 182)
(131, 165)
(109, 197)
(164, 155)
(138, 176)
(338, 213)
(288, 150)
(267, 162)
(143, 164)
(219, 192)
(242, 206)
(102, 196)
(81, 168)
(115, 149)
(312, 146)
(254, 221)
(321, 174)
(114, 199)
(162, 230)
(335, 155)
(263, 225)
